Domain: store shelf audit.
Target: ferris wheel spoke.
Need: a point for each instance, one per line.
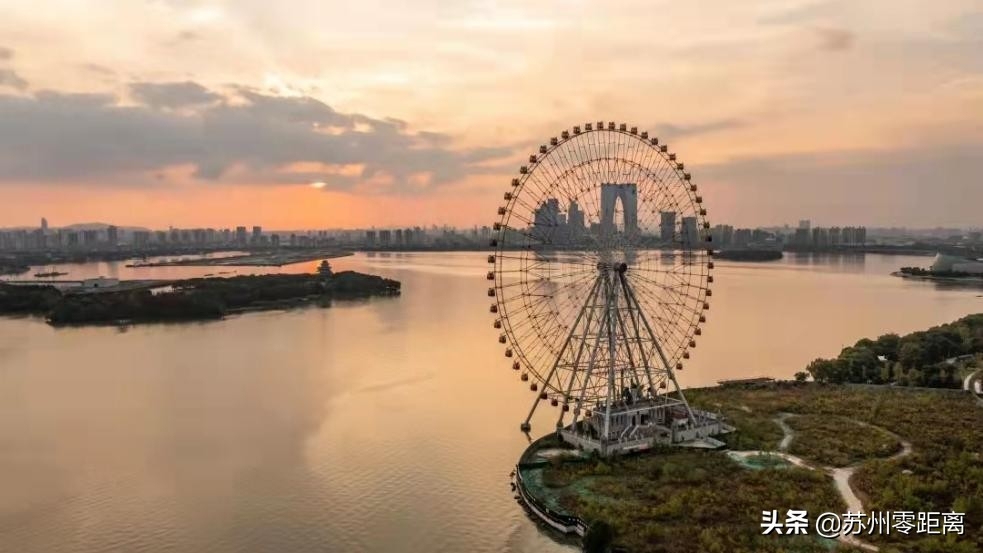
(585, 214)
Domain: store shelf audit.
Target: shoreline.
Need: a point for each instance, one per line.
(189, 300)
(931, 278)
(247, 260)
(542, 504)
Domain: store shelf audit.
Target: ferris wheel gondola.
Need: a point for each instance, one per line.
(601, 273)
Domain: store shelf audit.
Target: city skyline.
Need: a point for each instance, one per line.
(427, 113)
(668, 218)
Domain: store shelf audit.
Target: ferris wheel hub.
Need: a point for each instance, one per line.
(592, 336)
(621, 268)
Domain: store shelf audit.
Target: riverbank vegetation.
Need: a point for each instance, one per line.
(680, 501)
(192, 299)
(921, 272)
(932, 358)
(13, 267)
(677, 500)
(942, 474)
(838, 441)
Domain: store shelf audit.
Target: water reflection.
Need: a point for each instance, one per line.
(386, 425)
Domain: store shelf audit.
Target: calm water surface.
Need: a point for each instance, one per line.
(387, 425)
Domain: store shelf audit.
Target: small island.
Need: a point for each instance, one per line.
(191, 299)
(946, 268)
(274, 258)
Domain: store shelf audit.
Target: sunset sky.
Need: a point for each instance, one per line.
(318, 114)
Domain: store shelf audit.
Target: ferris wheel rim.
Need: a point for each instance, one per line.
(663, 319)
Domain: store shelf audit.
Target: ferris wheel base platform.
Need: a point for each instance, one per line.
(691, 433)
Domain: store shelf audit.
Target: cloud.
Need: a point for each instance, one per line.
(918, 186)
(968, 26)
(835, 39)
(101, 70)
(9, 78)
(188, 35)
(173, 95)
(6, 53)
(805, 12)
(670, 130)
(250, 137)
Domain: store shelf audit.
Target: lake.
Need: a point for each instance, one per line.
(384, 425)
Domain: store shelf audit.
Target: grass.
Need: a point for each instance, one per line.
(677, 501)
(680, 501)
(838, 441)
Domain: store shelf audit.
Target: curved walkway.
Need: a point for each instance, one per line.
(841, 476)
(973, 383)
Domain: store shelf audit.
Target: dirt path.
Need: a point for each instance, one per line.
(841, 476)
(786, 430)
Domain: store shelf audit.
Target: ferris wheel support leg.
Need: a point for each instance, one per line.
(631, 356)
(590, 366)
(526, 426)
(638, 334)
(612, 349)
(662, 355)
(591, 298)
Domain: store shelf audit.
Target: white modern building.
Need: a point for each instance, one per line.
(943, 263)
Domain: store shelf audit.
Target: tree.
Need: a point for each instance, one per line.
(823, 370)
(911, 354)
(598, 537)
(801, 376)
(887, 345)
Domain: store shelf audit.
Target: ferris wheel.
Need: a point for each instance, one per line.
(600, 277)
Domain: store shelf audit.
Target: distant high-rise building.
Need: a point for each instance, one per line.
(141, 238)
(820, 237)
(370, 237)
(112, 235)
(759, 236)
(723, 235)
(689, 232)
(257, 237)
(546, 220)
(805, 224)
(44, 225)
(241, 236)
(667, 226)
(575, 219)
(801, 237)
(548, 213)
(385, 237)
(628, 194)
